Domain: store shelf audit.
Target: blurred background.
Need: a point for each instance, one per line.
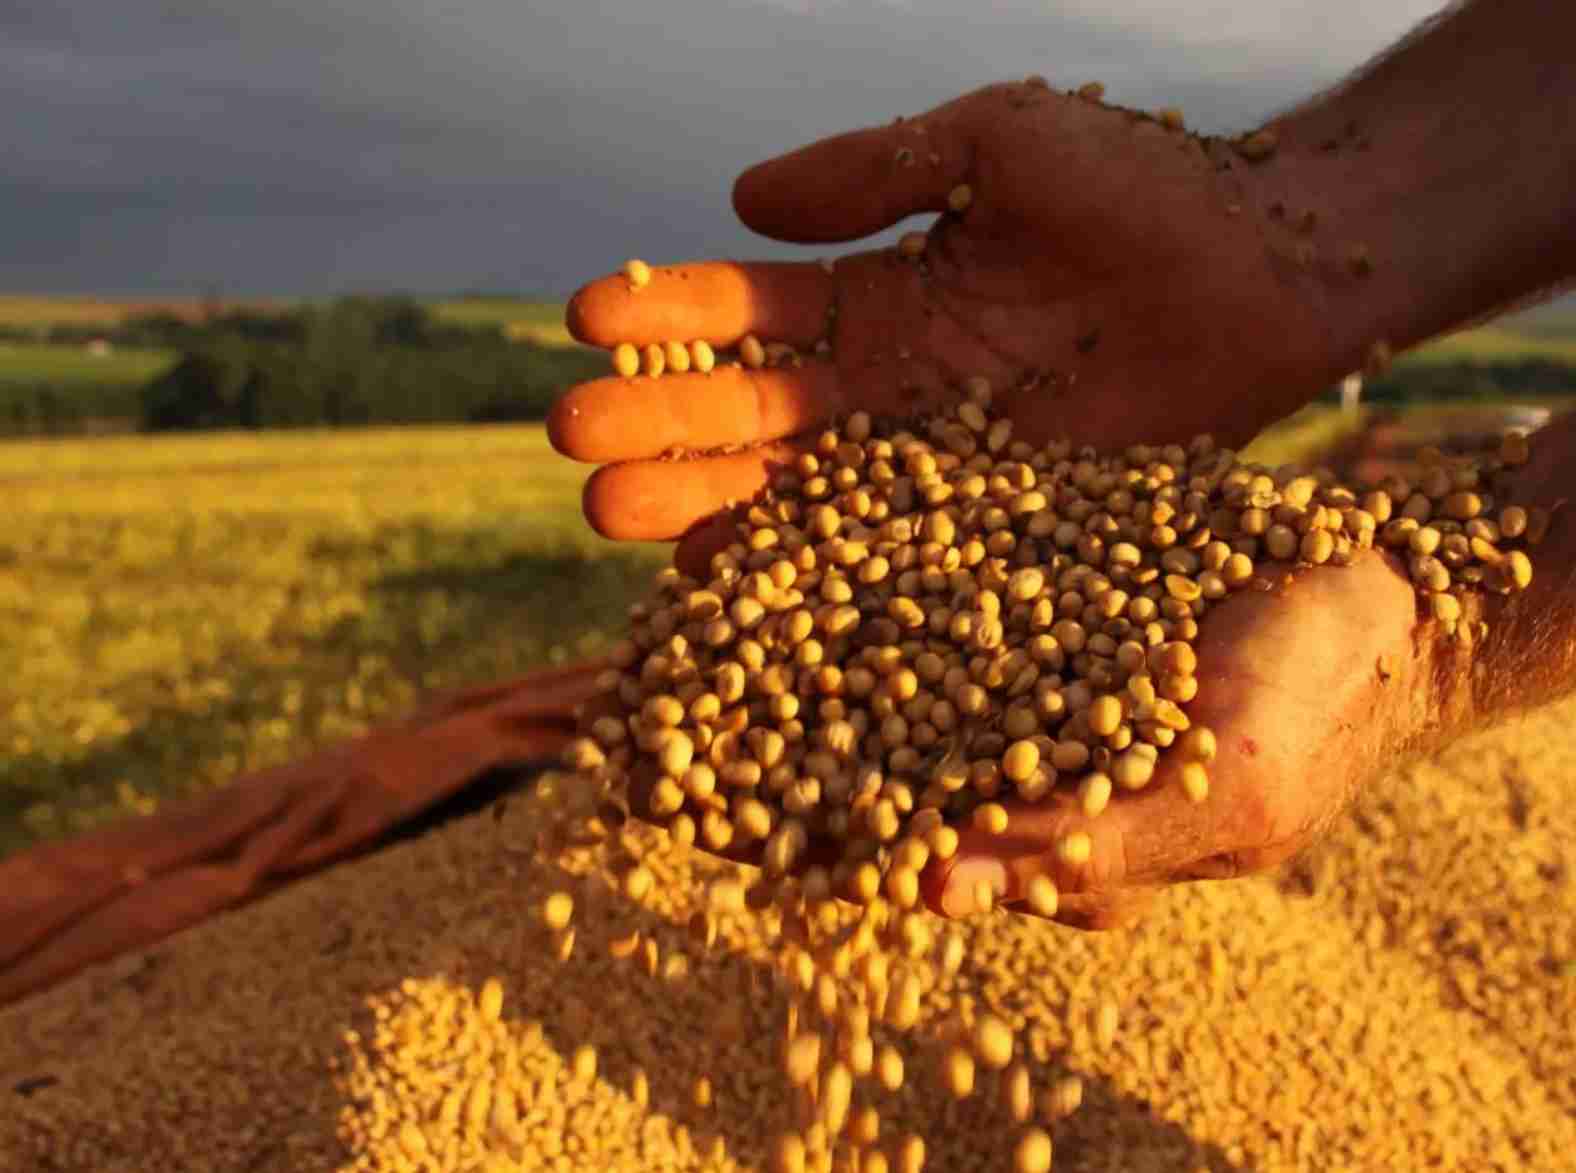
(281, 301)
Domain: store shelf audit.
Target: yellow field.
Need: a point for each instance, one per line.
(178, 609)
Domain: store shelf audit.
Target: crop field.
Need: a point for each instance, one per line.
(175, 610)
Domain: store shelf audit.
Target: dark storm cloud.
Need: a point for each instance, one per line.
(523, 144)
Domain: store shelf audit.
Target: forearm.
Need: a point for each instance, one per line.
(1439, 186)
(1523, 647)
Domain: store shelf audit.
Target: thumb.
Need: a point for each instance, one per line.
(854, 184)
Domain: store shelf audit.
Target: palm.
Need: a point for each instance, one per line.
(1308, 686)
(1099, 268)
(1099, 272)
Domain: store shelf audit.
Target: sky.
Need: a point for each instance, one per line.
(314, 147)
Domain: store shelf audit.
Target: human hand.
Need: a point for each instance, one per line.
(1310, 688)
(1118, 281)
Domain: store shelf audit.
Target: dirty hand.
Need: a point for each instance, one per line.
(1310, 688)
(1117, 281)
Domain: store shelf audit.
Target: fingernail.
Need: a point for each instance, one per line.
(957, 898)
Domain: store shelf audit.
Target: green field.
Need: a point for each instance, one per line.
(1498, 343)
(26, 364)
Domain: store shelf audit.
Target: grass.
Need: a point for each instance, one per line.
(521, 318)
(180, 609)
(73, 367)
(1311, 429)
(1497, 343)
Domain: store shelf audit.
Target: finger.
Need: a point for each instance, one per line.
(719, 301)
(1139, 839)
(633, 419)
(658, 500)
(1099, 912)
(854, 184)
(701, 542)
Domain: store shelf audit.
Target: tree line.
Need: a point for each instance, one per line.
(387, 360)
(353, 362)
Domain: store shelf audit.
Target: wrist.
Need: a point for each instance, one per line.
(1434, 190)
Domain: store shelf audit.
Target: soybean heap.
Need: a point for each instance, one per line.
(922, 623)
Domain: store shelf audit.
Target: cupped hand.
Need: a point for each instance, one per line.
(1310, 687)
(1116, 279)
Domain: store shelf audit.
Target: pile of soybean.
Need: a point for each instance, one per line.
(919, 625)
(556, 985)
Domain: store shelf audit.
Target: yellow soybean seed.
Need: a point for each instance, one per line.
(788, 1153)
(960, 197)
(1518, 569)
(490, 1000)
(751, 352)
(637, 883)
(864, 1127)
(677, 356)
(557, 910)
(902, 887)
(626, 359)
(653, 359)
(1021, 760)
(638, 273)
(1062, 1098)
(957, 1072)
(701, 1092)
(1105, 715)
(702, 357)
(1317, 546)
(991, 817)
(993, 1042)
(1017, 1093)
(837, 1089)
(889, 1068)
(1131, 770)
(1094, 793)
(1042, 896)
(1033, 1152)
(1198, 744)
(1195, 782)
(1075, 848)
